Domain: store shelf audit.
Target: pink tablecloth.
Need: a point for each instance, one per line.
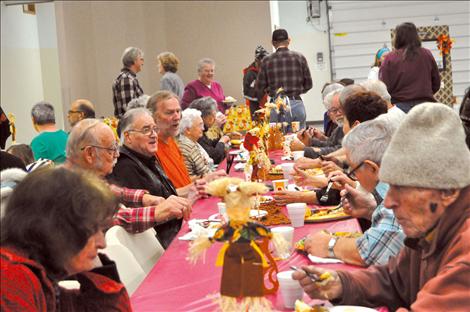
(176, 285)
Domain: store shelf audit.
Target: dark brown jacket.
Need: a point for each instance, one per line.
(425, 276)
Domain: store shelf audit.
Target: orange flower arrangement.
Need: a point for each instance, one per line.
(444, 44)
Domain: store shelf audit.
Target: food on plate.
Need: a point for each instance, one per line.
(347, 234)
(276, 170)
(299, 246)
(235, 142)
(229, 99)
(328, 214)
(301, 306)
(314, 171)
(264, 199)
(275, 215)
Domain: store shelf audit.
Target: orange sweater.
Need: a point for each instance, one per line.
(173, 163)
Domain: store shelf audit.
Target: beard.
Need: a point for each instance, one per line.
(340, 122)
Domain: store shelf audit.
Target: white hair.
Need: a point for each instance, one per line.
(330, 88)
(141, 101)
(130, 55)
(328, 100)
(203, 62)
(83, 133)
(368, 140)
(348, 91)
(378, 87)
(188, 116)
(43, 113)
(128, 119)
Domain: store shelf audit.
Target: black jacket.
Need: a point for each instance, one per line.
(214, 148)
(128, 173)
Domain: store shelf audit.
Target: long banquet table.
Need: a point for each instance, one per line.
(176, 285)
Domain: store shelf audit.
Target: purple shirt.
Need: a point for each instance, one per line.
(410, 80)
(196, 89)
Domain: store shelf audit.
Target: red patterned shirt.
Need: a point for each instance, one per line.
(133, 220)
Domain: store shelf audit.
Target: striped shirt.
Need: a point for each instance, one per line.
(384, 238)
(195, 162)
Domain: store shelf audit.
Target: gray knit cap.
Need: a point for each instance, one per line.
(428, 150)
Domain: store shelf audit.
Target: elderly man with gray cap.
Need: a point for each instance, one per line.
(288, 70)
(126, 86)
(427, 166)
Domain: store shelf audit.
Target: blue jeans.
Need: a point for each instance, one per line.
(297, 113)
(407, 106)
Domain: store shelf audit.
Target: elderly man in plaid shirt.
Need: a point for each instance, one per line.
(126, 87)
(288, 70)
(365, 145)
(92, 147)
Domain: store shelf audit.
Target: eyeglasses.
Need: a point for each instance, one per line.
(351, 174)
(334, 110)
(145, 130)
(112, 150)
(73, 112)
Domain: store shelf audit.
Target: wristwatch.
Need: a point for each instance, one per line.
(331, 246)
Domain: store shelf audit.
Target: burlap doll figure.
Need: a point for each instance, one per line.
(242, 259)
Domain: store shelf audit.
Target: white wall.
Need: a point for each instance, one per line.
(21, 77)
(308, 39)
(360, 28)
(91, 39)
(29, 70)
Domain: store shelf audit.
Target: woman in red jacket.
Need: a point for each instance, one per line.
(52, 229)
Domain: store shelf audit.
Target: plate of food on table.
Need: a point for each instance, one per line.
(327, 213)
(301, 306)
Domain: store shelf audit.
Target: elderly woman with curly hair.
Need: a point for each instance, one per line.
(168, 66)
(196, 159)
(53, 233)
(213, 139)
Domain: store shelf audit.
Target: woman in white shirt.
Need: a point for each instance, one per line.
(379, 58)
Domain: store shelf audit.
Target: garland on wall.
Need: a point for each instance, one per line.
(444, 44)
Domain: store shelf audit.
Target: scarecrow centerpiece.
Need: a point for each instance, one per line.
(244, 256)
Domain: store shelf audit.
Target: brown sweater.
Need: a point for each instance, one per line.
(416, 79)
(425, 276)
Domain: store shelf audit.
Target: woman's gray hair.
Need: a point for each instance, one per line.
(130, 55)
(330, 88)
(188, 116)
(378, 87)
(328, 100)
(203, 62)
(141, 101)
(82, 134)
(348, 91)
(43, 113)
(206, 105)
(368, 140)
(128, 119)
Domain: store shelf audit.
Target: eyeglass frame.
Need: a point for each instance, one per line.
(73, 112)
(114, 150)
(334, 110)
(142, 131)
(351, 175)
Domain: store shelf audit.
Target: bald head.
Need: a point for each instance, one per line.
(92, 146)
(79, 110)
